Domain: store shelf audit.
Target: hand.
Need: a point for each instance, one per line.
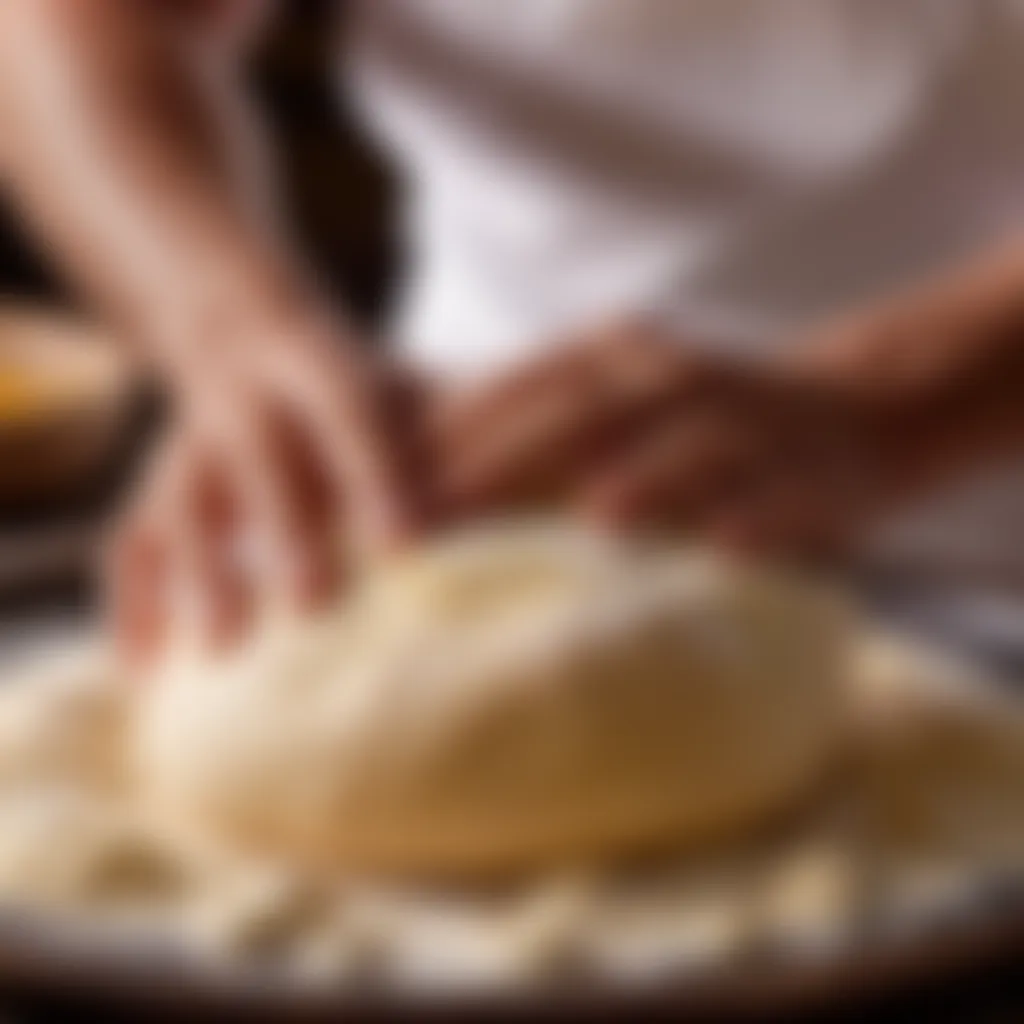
(288, 456)
(635, 431)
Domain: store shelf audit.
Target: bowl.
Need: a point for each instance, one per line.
(66, 393)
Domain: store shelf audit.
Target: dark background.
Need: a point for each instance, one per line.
(337, 189)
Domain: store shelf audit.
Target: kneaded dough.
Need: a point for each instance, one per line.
(65, 724)
(69, 849)
(941, 774)
(506, 700)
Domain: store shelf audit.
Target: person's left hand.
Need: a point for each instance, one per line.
(635, 430)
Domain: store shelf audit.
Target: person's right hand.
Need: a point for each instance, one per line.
(274, 444)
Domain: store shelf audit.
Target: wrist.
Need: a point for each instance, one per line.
(236, 325)
(952, 335)
(936, 379)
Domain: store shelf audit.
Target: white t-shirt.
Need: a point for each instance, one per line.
(741, 168)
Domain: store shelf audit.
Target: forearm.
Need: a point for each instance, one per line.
(138, 163)
(943, 366)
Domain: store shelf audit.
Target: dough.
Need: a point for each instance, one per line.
(941, 777)
(667, 697)
(65, 725)
(505, 700)
(68, 850)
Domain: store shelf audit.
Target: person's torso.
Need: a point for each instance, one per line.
(742, 168)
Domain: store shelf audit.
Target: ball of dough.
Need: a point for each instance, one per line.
(505, 700)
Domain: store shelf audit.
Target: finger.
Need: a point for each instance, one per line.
(138, 562)
(569, 363)
(189, 510)
(378, 459)
(795, 498)
(307, 510)
(673, 476)
(286, 504)
(525, 454)
(812, 485)
(790, 521)
(523, 441)
(633, 354)
(136, 590)
(559, 391)
(208, 551)
(359, 421)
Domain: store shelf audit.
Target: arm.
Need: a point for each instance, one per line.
(130, 149)
(870, 411)
(944, 363)
(140, 164)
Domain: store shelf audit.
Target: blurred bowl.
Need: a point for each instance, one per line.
(66, 394)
